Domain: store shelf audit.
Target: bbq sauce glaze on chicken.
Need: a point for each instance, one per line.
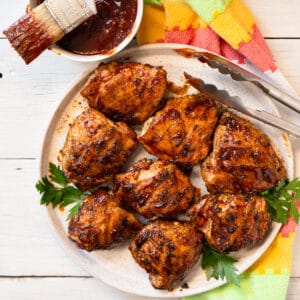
(95, 149)
(101, 223)
(104, 31)
(167, 250)
(155, 189)
(243, 159)
(231, 222)
(126, 91)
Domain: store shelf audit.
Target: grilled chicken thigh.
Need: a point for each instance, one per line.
(167, 250)
(101, 224)
(155, 189)
(243, 159)
(231, 221)
(95, 149)
(130, 92)
(182, 130)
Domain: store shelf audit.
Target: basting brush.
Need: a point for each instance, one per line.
(46, 24)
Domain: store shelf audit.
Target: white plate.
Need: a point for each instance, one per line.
(116, 267)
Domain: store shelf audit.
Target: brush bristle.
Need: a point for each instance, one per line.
(33, 33)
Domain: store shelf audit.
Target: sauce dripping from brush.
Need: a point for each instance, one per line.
(101, 33)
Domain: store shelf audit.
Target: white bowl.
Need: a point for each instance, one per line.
(97, 57)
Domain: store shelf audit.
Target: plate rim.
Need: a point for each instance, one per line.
(52, 213)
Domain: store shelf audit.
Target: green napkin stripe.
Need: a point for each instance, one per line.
(208, 9)
(268, 286)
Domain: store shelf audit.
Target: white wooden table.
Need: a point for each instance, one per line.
(32, 264)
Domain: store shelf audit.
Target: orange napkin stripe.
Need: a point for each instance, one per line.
(154, 15)
(180, 15)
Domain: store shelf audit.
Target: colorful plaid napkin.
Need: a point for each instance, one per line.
(226, 27)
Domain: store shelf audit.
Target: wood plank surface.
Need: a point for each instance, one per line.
(61, 289)
(27, 244)
(294, 289)
(83, 289)
(30, 95)
(276, 19)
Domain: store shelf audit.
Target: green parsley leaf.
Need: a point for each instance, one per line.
(71, 194)
(294, 212)
(57, 175)
(58, 191)
(219, 265)
(43, 185)
(281, 200)
(73, 211)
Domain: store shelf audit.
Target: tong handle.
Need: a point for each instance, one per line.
(238, 73)
(282, 97)
(278, 122)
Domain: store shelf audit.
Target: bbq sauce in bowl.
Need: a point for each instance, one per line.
(103, 32)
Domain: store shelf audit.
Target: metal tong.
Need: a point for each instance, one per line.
(237, 73)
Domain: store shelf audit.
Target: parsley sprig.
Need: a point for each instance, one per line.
(219, 265)
(61, 193)
(281, 200)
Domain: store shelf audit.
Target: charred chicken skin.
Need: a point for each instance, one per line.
(95, 149)
(155, 189)
(130, 92)
(243, 159)
(182, 130)
(230, 222)
(167, 250)
(101, 224)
